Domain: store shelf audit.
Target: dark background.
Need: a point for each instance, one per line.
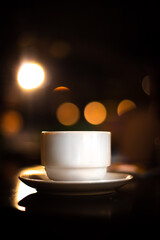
(111, 48)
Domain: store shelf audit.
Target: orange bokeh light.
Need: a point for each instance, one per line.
(95, 113)
(11, 122)
(61, 89)
(68, 113)
(125, 106)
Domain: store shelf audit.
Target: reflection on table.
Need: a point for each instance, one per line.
(134, 206)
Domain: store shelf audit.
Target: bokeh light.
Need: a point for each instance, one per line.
(146, 85)
(68, 113)
(30, 75)
(11, 122)
(60, 49)
(95, 113)
(124, 106)
(61, 89)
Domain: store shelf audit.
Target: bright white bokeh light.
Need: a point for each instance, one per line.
(30, 75)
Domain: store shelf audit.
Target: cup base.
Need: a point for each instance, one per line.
(75, 174)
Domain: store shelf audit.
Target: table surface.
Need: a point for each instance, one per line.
(134, 206)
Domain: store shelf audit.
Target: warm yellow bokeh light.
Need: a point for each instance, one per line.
(68, 113)
(11, 122)
(95, 113)
(30, 75)
(125, 106)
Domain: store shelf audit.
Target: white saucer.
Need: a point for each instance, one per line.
(42, 183)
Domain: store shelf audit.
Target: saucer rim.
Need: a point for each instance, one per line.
(127, 178)
(74, 188)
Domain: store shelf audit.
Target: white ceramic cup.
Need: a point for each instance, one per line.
(75, 155)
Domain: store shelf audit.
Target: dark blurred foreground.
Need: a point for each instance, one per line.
(133, 210)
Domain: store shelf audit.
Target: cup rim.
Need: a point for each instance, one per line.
(58, 132)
